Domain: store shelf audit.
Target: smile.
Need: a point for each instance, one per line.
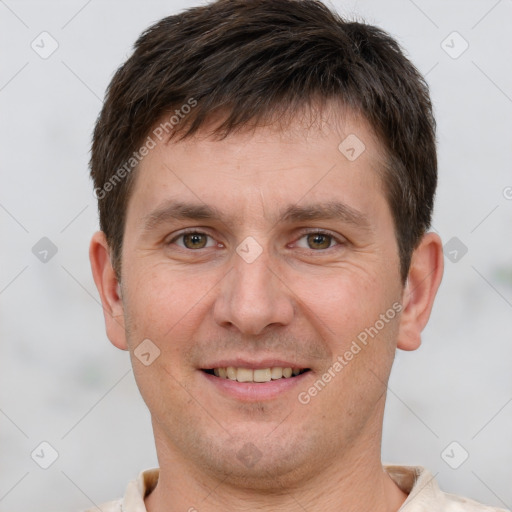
(256, 374)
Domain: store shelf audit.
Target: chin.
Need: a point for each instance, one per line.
(258, 459)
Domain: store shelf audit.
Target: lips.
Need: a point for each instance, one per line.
(250, 381)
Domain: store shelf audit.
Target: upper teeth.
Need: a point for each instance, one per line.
(258, 375)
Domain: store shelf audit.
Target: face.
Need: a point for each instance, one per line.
(245, 258)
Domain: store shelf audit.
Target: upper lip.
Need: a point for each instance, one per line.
(241, 362)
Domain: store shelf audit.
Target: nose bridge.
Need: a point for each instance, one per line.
(251, 296)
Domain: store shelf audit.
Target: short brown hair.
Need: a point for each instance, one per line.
(250, 59)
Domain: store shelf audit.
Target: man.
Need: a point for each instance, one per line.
(265, 175)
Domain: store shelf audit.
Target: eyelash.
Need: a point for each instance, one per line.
(302, 235)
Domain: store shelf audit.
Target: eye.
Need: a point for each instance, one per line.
(193, 240)
(317, 240)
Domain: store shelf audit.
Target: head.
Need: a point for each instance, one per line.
(265, 174)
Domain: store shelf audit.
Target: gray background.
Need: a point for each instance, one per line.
(60, 379)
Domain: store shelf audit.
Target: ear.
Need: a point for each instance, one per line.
(424, 278)
(109, 289)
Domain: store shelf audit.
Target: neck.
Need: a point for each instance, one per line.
(355, 481)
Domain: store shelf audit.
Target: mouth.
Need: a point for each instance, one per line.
(255, 375)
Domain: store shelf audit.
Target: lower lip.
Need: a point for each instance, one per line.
(255, 391)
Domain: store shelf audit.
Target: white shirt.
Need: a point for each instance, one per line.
(423, 492)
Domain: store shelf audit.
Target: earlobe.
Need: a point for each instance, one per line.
(424, 278)
(109, 289)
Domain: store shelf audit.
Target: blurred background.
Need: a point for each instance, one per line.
(64, 385)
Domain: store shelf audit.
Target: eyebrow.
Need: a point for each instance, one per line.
(332, 210)
(179, 211)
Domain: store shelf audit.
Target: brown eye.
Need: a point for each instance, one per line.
(319, 241)
(195, 240)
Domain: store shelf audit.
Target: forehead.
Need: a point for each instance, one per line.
(263, 172)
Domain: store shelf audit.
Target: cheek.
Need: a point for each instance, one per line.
(162, 307)
(163, 304)
(346, 308)
(341, 298)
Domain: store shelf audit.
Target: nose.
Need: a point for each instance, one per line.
(252, 297)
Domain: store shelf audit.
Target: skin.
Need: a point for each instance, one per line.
(303, 299)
